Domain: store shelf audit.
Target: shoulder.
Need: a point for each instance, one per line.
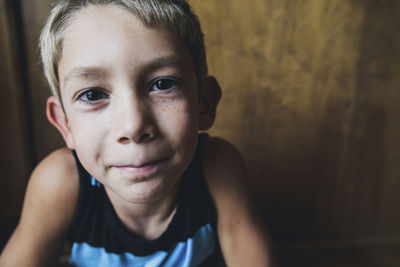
(239, 226)
(217, 145)
(223, 164)
(226, 177)
(60, 161)
(53, 185)
(56, 174)
(48, 209)
(53, 188)
(55, 179)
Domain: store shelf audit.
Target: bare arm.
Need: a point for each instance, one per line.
(47, 212)
(241, 233)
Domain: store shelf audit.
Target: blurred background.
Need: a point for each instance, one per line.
(311, 96)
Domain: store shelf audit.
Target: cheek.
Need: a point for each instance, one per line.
(89, 146)
(87, 133)
(178, 119)
(178, 125)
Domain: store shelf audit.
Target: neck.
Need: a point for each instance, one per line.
(148, 220)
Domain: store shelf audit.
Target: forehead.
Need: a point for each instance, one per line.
(111, 37)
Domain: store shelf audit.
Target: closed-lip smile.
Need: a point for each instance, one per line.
(140, 170)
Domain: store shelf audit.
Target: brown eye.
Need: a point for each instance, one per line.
(92, 95)
(164, 84)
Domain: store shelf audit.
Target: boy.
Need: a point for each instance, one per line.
(140, 187)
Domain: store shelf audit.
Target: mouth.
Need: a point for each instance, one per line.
(141, 170)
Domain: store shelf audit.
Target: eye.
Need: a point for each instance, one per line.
(164, 84)
(92, 95)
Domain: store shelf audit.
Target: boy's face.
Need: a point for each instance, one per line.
(131, 102)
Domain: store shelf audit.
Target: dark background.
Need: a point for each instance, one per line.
(311, 93)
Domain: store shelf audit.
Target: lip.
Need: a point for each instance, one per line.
(140, 171)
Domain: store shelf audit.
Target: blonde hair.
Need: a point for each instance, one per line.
(175, 14)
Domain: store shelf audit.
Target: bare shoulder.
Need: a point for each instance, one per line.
(223, 164)
(54, 181)
(57, 170)
(59, 160)
(48, 209)
(226, 176)
(52, 190)
(217, 145)
(241, 233)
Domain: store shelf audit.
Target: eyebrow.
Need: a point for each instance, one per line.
(93, 73)
(85, 73)
(163, 62)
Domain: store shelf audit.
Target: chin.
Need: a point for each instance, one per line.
(146, 192)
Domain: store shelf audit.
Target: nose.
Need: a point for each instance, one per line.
(133, 121)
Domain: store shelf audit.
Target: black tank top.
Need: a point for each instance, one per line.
(99, 238)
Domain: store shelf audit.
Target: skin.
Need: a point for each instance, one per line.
(134, 137)
(132, 112)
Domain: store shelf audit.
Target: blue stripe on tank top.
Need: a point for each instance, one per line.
(94, 182)
(190, 253)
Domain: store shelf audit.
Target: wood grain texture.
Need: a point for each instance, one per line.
(15, 161)
(366, 256)
(44, 134)
(310, 95)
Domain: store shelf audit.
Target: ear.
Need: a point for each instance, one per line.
(210, 96)
(56, 116)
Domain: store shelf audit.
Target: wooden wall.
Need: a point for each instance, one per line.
(15, 152)
(310, 96)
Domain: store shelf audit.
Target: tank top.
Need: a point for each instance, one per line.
(99, 238)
